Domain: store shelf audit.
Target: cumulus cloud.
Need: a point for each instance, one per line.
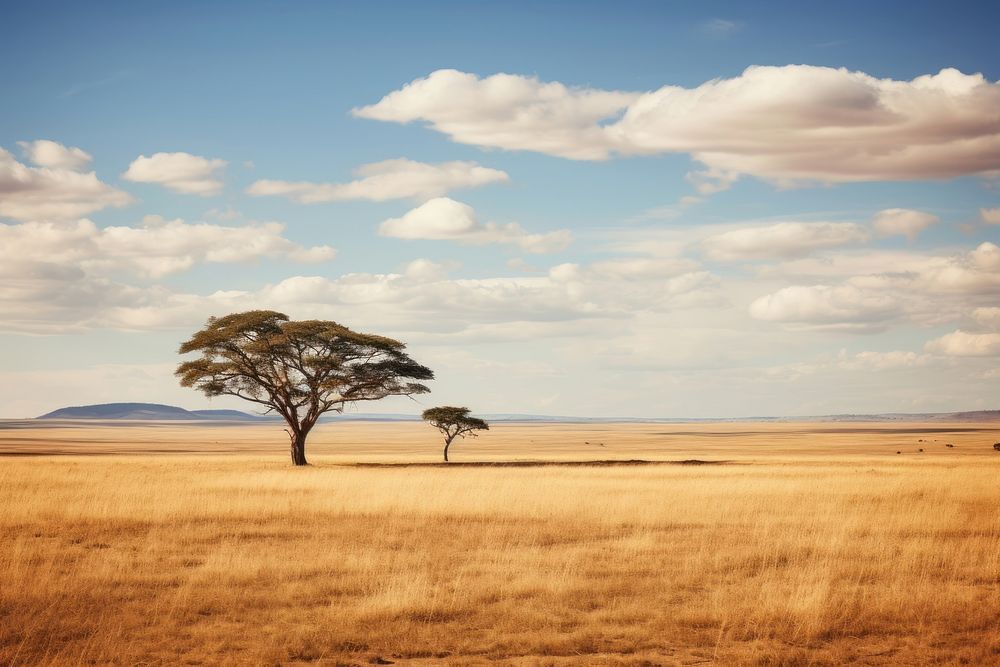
(977, 272)
(59, 296)
(987, 316)
(948, 281)
(46, 153)
(783, 240)
(801, 123)
(925, 289)
(902, 222)
(422, 298)
(507, 111)
(826, 307)
(179, 172)
(963, 344)
(57, 278)
(646, 285)
(390, 179)
(426, 270)
(880, 361)
(52, 193)
(990, 216)
(156, 248)
(446, 219)
(787, 125)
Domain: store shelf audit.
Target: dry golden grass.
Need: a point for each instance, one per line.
(809, 548)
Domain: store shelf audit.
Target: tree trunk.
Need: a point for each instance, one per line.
(299, 448)
(447, 444)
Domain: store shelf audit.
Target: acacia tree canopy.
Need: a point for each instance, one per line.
(298, 369)
(454, 422)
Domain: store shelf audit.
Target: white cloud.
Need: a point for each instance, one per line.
(52, 193)
(157, 248)
(990, 216)
(644, 268)
(977, 272)
(422, 299)
(782, 240)
(46, 153)
(800, 123)
(664, 241)
(962, 344)
(567, 292)
(446, 219)
(844, 307)
(888, 287)
(988, 317)
(845, 264)
(825, 366)
(710, 181)
(786, 125)
(880, 361)
(73, 277)
(77, 291)
(427, 271)
(902, 222)
(986, 257)
(507, 111)
(179, 172)
(389, 179)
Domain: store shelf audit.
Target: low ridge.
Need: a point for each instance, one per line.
(145, 411)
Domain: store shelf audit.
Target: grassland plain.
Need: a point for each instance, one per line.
(814, 544)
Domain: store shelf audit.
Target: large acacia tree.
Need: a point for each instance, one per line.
(299, 370)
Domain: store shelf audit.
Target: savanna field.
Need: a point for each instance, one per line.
(798, 544)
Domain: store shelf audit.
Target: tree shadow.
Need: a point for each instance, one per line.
(532, 464)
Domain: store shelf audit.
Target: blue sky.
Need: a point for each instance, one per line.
(781, 241)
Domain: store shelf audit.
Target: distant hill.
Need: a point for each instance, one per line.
(147, 412)
(158, 412)
(976, 416)
(228, 415)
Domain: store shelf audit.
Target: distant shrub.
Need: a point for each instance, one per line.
(996, 446)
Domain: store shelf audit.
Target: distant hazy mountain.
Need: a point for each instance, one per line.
(157, 412)
(147, 411)
(230, 415)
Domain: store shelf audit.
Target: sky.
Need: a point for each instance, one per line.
(647, 209)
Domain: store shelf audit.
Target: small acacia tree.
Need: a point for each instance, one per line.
(298, 369)
(454, 422)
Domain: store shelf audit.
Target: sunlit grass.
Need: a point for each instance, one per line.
(241, 559)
